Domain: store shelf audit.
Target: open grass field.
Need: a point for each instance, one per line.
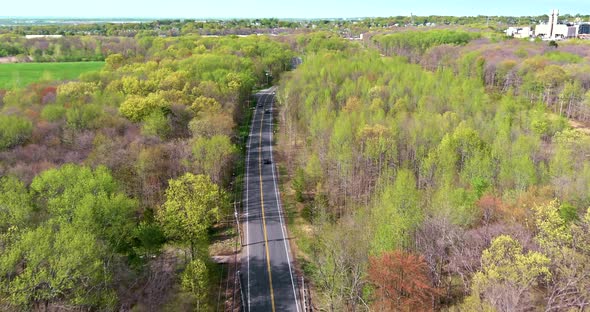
(18, 75)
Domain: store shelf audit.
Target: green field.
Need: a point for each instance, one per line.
(21, 74)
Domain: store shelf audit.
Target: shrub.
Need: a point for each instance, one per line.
(83, 117)
(53, 112)
(156, 124)
(563, 57)
(14, 131)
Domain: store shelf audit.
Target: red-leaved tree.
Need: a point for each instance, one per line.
(401, 282)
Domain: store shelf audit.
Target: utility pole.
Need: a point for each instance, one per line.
(303, 294)
(239, 278)
(238, 223)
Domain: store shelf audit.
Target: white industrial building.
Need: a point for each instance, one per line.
(43, 36)
(584, 31)
(552, 30)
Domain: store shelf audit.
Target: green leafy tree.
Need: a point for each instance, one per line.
(15, 204)
(156, 124)
(213, 155)
(567, 245)
(204, 104)
(397, 213)
(136, 108)
(83, 117)
(56, 263)
(211, 124)
(94, 205)
(195, 280)
(76, 92)
(148, 237)
(114, 61)
(192, 204)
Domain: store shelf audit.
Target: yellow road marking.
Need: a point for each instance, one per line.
(272, 295)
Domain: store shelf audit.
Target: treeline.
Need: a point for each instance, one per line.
(111, 183)
(412, 44)
(483, 20)
(142, 48)
(68, 49)
(131, 28)
(422, 189)
(175, 27)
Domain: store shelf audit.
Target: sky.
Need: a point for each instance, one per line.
(282, 9)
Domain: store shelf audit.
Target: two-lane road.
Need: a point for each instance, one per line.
(268, 278)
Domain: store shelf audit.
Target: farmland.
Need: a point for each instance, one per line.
(22, 74)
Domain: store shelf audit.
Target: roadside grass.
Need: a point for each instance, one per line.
(297, 214)
(224, 236)
(18, 75)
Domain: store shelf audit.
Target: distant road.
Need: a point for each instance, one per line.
(268, 278)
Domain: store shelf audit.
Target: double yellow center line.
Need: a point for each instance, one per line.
(272, 295)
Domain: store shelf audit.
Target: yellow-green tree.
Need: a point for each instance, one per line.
(56, 262)
(15, 204)
(136, 108)
(507, 276)
(194, 279)
(567, 244)
(192, 204)
(213, 155)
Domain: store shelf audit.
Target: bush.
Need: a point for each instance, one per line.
(299, 184)
(568, 212)
(14, 131)
(83, 117)
(53, 112)
(156, 124)
(563, 57)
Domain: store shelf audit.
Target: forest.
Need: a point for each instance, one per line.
(441, 170)
(113, 185)
(421, 169)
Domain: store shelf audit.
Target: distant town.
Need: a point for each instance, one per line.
(553, 29)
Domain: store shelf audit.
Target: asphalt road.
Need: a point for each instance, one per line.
(268, 278)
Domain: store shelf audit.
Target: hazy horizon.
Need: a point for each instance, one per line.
(305, 9)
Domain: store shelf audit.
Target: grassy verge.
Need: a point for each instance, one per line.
(296, 213)
(18, 75)
(225, 244)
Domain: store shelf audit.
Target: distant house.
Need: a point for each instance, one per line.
(519, 32)
(42, 36)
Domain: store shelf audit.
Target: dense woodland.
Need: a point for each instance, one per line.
(441, 171)
(422, 169)
(111, 184)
